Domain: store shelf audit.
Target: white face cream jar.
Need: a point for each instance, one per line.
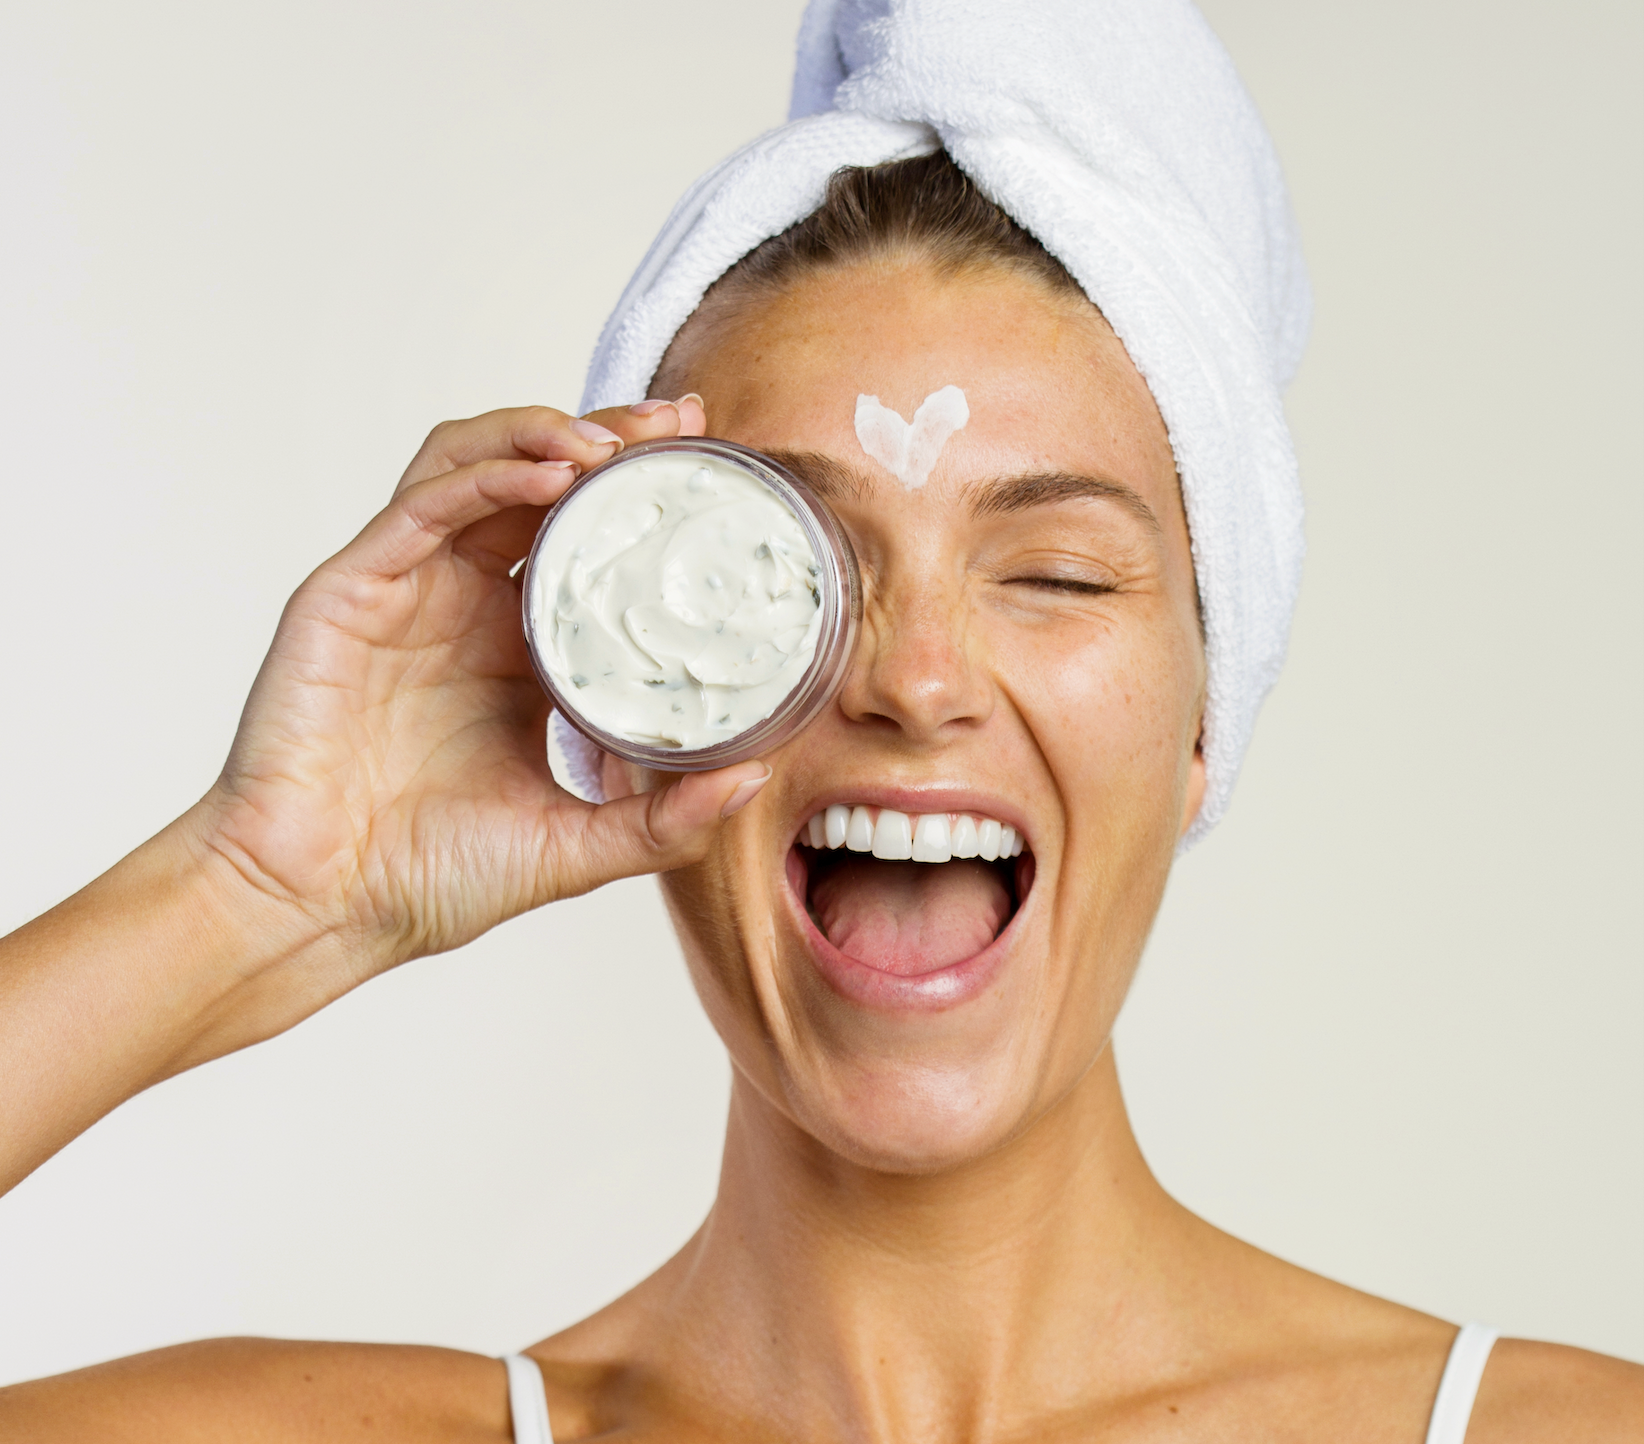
(690, 604)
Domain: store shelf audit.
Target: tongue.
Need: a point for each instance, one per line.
(910, 917)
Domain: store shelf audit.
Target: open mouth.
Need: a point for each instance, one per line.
(908, 895)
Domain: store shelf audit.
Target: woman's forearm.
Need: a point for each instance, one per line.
(165, 961)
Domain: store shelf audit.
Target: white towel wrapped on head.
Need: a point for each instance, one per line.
(1118, 134)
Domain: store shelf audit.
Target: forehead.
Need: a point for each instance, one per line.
(1047, 382)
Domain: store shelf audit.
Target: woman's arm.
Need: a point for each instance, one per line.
(267, 1391)
(387, 796)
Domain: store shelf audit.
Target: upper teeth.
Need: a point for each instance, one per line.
(923, 837)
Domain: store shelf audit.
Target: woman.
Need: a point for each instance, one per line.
(933, 1221)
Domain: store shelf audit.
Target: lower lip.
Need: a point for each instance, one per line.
(869, 987)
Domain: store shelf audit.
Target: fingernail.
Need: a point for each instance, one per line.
(569, 466)
(648, 408)
(692, 396)
(593, 433)
(744, 794)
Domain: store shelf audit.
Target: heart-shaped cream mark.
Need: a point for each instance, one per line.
(909, 451)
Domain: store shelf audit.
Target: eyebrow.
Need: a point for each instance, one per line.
(1042, 488)
(832, 479)
(828, 478)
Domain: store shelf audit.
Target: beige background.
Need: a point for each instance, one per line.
(1390, 1023)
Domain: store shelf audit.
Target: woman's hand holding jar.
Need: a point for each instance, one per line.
(387, 796)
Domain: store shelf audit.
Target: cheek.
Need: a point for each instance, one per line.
(1111, 708)
(702, 910)
(721, 913)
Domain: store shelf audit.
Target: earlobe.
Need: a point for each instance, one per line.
(1193, 798)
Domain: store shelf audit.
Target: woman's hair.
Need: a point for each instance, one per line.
(924, 207)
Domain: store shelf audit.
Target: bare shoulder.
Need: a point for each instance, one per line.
(267, 1391)
(1535, 1393)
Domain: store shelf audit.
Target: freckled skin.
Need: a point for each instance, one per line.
(1084, 708)
(931, 1225)
(938, 1226)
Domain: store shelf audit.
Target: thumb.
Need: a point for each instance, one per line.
(656, 831)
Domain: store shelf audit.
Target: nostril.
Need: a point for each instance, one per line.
(914, 672)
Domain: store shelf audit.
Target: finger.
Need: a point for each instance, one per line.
(520, 433)
(693, 415)
(497, 544)
(423, 517)
(652, 420)
(643, 421)
(656, 831)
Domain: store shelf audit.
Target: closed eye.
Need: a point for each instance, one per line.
(1066, 585)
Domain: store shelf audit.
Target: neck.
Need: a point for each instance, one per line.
(930, 1306)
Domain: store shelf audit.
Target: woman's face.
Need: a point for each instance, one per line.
(1030, 653)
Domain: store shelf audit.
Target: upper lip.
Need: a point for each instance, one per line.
(918, 800)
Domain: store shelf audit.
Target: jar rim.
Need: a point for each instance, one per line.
(839, 589)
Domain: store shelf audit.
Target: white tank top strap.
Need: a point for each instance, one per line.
(1459, 1387)
(527, 1401)
(528, 1398)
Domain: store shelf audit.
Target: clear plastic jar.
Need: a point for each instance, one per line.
(837, 593)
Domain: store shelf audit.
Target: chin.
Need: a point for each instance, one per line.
(911, 1119)
(881, 971)
(910, 976)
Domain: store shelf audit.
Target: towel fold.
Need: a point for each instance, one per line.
(1118, 134)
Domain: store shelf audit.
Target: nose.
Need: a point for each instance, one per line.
(918, 669)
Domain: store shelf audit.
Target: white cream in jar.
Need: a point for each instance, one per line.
(674, 601)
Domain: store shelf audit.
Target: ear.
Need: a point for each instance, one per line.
(1193, 799)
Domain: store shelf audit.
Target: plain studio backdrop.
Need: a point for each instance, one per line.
(1389, 1025)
